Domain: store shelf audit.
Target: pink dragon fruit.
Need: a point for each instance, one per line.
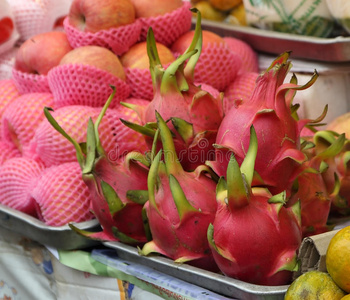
(310, 187)
(334, 149)
(61, 196)
(18, 177)
(195, 114)
(181, 205)
(22, 116)
(118, 190)
(270, 111)
(254, 237)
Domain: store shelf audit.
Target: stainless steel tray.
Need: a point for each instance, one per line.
(304, 47)
(217, 283)
(61, 237)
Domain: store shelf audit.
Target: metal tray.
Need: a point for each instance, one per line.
(61, 237)
(217, 283)
(333, 50)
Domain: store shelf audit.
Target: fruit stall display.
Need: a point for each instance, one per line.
(173, 140)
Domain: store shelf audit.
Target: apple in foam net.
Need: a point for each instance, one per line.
(153, 8)
(137, 58)
(96, 15)
(40, 53)
(96, 56)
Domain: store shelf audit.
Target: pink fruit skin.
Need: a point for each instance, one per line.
(181, 205)
(315, 203)
(124, 176)
(258, 240)
(173, 237)
(268, 109)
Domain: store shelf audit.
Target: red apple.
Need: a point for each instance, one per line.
(153, 8)
(183, 42)
(137, 58)
(95, 56)
(96, 15)
(42, 52)
(6, 29)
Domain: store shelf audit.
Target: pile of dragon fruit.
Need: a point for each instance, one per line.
(214, 169)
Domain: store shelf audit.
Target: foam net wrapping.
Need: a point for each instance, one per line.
(18, 177)
(240, 89)
(7, 151)
(30, 83)
(140, 82)
(249, 57)
(52, 148)
(37, 16)
(22, 116)
(217, 66)
(169, 27)
(77, 84)
(7, 62)
(61, 195)
(8, 92)
(118, 39)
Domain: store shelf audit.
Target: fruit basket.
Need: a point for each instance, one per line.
(62, 237)
(336, 49)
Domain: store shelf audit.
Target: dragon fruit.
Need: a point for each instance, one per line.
(254, 237)
(194, 113)
(310, 188)
(118, 190)
(181, 205)
(334, 149)
(61, 196)
(270, 111)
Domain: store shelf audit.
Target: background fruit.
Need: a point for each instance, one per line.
(93, 16)
(40, 53)
(314, 285)
(337, 258)
(153, 8)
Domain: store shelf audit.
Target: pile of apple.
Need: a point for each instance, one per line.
(103, 43)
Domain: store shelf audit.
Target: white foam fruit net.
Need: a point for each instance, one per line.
(61, 196)
(37, 16)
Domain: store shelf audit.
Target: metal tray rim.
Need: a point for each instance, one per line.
(221, 283)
